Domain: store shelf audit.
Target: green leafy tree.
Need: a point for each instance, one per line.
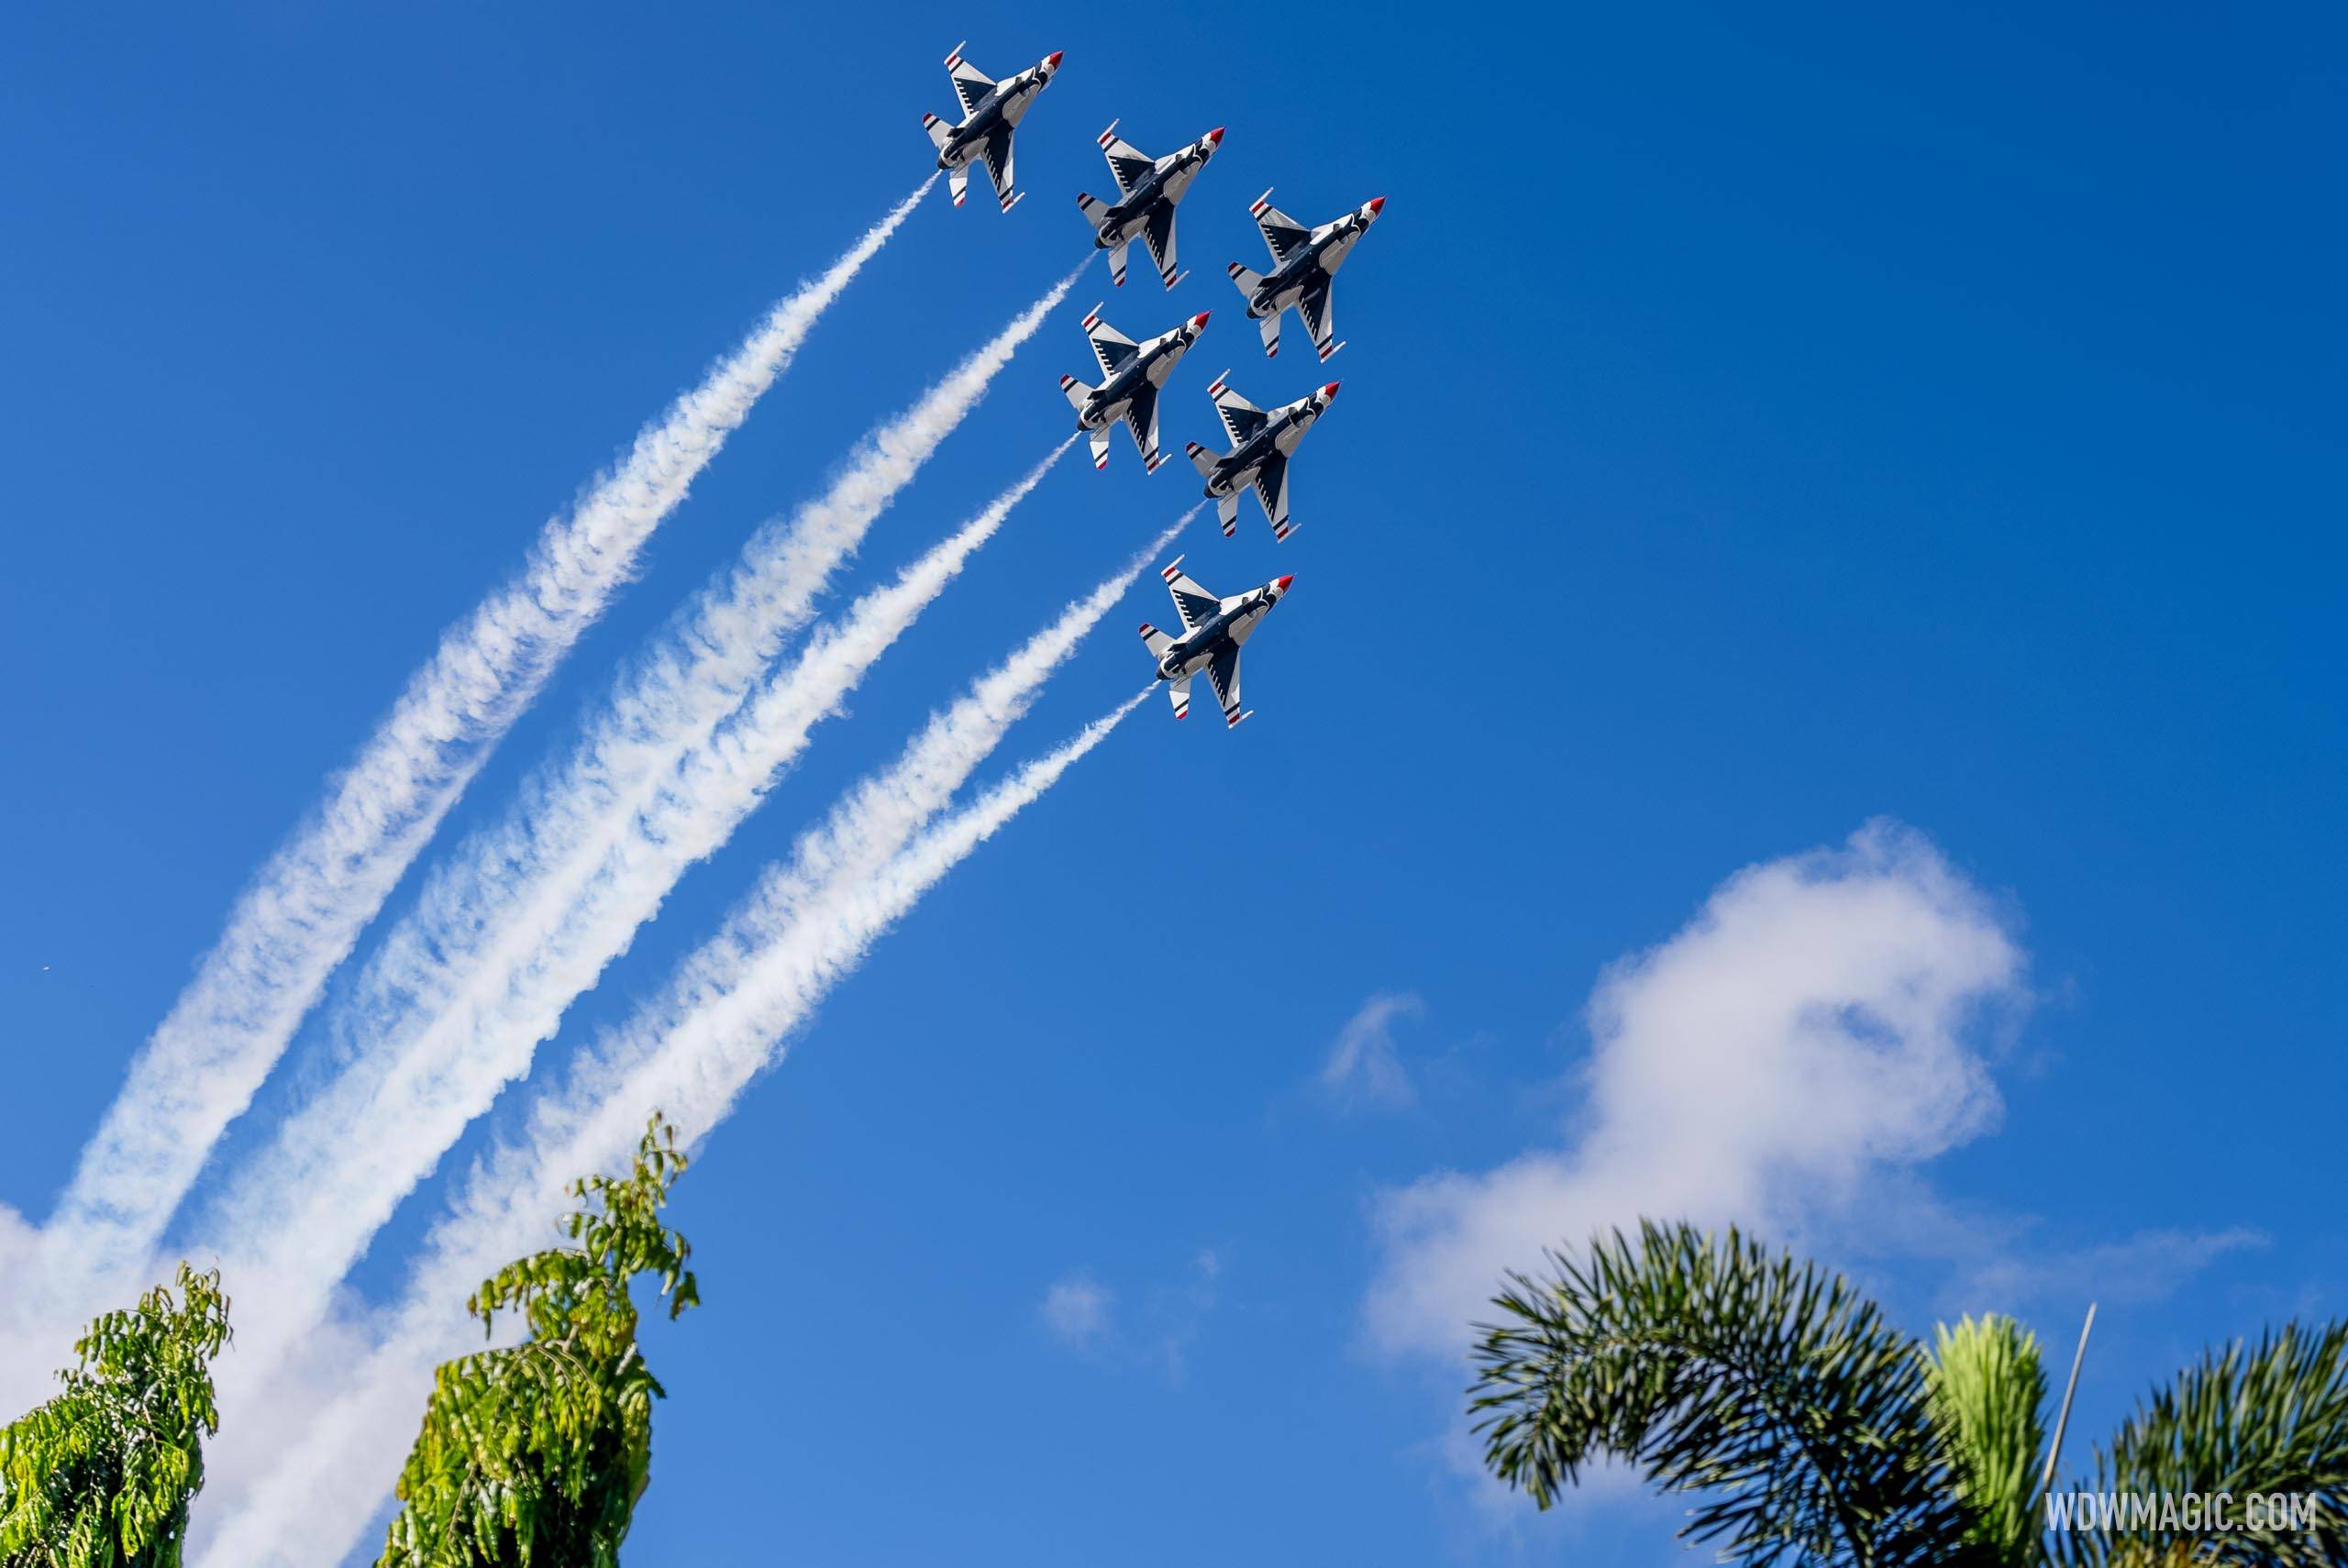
(1819, 1434)
(537, 1455)
(100, 1476)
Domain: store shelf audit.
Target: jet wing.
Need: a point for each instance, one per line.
(1271, 489)
(1128, 164)
(1192, 602)
(1110, 347)
(1141, 418)
(1313, 305)
(1223, 673)
(1281, 232)
(996, 150)
(1158, 233)
(1241, 418)
(971, 85)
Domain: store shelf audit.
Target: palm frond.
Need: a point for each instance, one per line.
(1770, 1386)
(2266, 1419)
(1987, 1389)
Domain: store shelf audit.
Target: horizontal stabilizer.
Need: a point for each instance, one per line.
(1200, 458)
(939, 131)
(1158, 641)
(1096, 211)
(1247, 277)
(1077, 392)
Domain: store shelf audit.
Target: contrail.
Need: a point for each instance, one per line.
(302, 1215)
(809, 923)
(306, 906)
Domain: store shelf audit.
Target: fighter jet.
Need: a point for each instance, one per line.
(1303, 263)
(1261, 445)
(1134, 372)
(1213, 631)
(991, 110)
(1147, 189)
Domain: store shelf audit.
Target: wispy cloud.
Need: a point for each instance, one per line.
(691, 1053)
(1076, 1309)
(1089, 1317)
(308, 904)
(1363, 1067)
(1813, 1026)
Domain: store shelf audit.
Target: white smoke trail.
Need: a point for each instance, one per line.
(808, 925)
(308, 904)
(299, 1222)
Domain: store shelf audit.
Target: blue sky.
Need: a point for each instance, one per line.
(1752, 427)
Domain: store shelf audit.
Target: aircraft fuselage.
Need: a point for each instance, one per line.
(1195, 649)
(1005, 106)
(1280, 434)
(1314, 259)
(1152, 364)
(1127, 217)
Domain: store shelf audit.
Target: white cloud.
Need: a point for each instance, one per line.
(1814, 1025)
(1155, 1331)
(1078, 1309)
(2148, 1267)
(1363, 1067)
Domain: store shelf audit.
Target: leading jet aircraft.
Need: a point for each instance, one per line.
(1213, 631)
(990, 111)
(1261, 445)
(1135, 371)
(1147, 189)
(1303, 263)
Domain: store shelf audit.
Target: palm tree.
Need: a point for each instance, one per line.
(1815, 1432)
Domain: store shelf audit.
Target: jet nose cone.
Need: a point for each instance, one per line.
(1330, 389)
(1376, 206)
(1199, 321)
(1279, 584)
(1214, 137)
(1052, 61)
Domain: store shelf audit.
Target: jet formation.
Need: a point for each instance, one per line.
(1304, 263)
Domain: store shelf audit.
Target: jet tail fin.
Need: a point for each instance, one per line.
(1096, 211)
(1077, 392)
(939, 131)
